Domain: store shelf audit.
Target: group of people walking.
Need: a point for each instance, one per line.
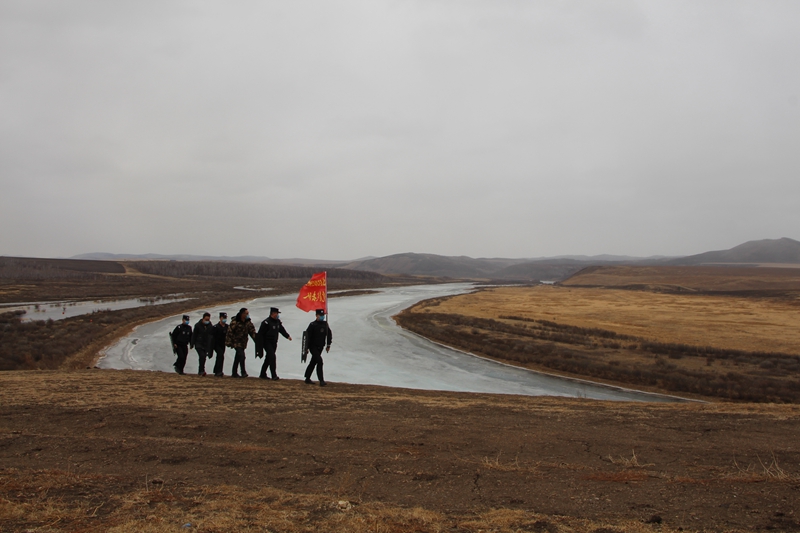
(210, 340)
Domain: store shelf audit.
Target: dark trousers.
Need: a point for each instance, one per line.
(181, 351)
(316, 362)
(220, 361)
(238, 361)
(202, 355)
(270, 360)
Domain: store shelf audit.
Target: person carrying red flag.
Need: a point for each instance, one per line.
(318, 335)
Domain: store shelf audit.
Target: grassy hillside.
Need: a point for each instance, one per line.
(690, 279)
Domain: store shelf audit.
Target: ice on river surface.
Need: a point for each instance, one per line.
(368, 348)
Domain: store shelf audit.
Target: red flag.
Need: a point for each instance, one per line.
(314, 294)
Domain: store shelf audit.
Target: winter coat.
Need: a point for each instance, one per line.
(269, 330)
(238, 332)
(182, 335)
(220, 332)
(203, 336)
(318, 334)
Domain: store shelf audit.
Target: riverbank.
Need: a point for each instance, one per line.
(700, 346)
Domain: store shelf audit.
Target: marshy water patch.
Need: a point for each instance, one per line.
(59, 310)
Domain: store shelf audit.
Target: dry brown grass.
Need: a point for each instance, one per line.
(628, 462)
(139, 451)
(747, 324)
(760, 471)
(690, 278)
(50, 501)
(707, 346)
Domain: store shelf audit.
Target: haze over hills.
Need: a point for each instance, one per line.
(602, 257)
(555, 268)
(433, 265)
(775, 251)
(467, 267)
(767, 251)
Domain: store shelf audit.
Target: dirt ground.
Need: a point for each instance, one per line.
(120, 451)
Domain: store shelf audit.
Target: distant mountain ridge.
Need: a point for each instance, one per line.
(775, 251)
(767, 251)
(432, 265)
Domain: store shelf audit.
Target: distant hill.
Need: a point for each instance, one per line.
(414, 264)
(543, 270)
(783, 250)
(562, 267)
(603, 258)
(46, 268)
(226, 269)
(432, 265)
(768, 251)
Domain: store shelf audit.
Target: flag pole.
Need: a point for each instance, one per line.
(327, 313)
(310, 297)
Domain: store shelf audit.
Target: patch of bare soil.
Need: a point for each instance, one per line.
(143, 451)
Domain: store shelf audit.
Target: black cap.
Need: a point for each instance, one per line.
(223, 315)
(274, 310)
(320, 311)
(186, 317)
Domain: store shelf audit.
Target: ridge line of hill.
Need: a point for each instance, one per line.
(784, 251)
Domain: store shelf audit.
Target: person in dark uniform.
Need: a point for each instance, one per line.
(203, 342)
(220, 332)
(181, 339)
(241, 327)
(268, 339)
(318, 336)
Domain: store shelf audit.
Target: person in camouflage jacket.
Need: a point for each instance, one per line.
(241, 327)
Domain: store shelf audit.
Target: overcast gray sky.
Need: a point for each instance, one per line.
(343, 129)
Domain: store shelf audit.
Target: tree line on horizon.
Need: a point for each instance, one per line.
(217, 269)
(23, 268)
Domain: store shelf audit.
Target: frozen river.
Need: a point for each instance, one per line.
(368, 348)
